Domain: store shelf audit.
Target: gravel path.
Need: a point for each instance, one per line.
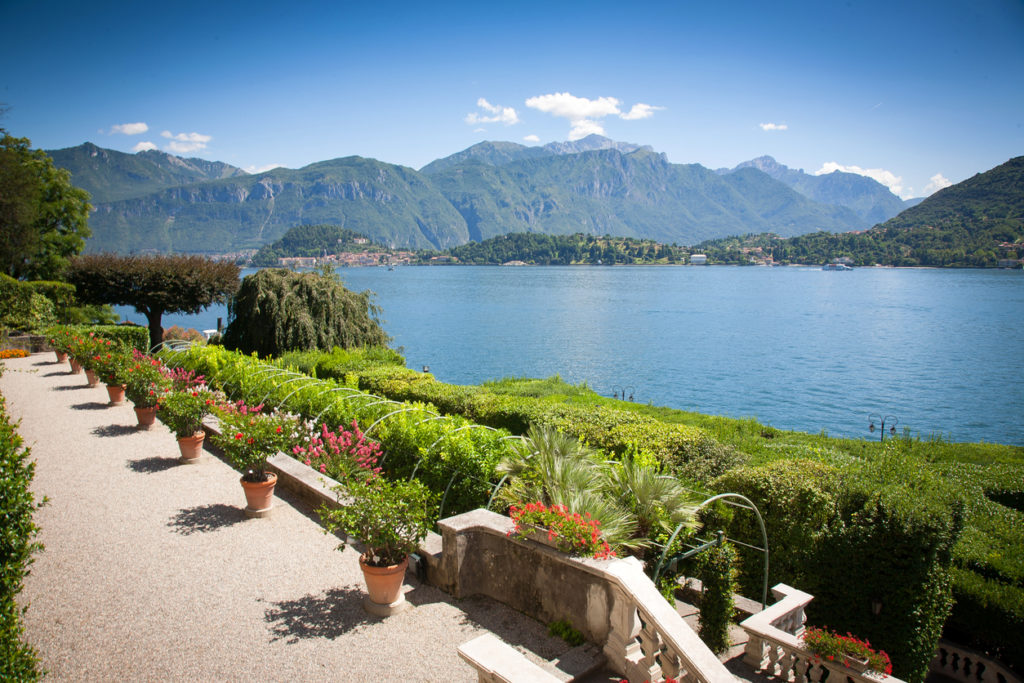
(152, 572)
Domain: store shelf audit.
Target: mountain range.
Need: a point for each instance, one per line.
(153, 201)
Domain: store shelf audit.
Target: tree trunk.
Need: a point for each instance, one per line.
(156, 331)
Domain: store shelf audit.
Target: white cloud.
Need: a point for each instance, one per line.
(185, 143)
(773, 126)
(531, 138)
(262, 169)
(938, 182)
(129, 128)
(887, 178)
(584, 127)
(495, 114)
(640, 111)
(143, 147)
(574, 108)
(584, 114)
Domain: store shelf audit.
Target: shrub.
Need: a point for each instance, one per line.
(249, 436)
(277, 310)
(886, 526)
(178, 333)
(717, 572)
(22, 308)
(17, 659)
(390, 518)
(128, 336)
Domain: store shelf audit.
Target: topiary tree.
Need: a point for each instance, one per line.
(279, 310)
(154, 285)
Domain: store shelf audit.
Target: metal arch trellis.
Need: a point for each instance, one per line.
(331, 405)
(377, 403)
(428, 419)
(297, 389)
(298, 377)
(258, 372)
(764, 538)
(404, 409)
(441, 438)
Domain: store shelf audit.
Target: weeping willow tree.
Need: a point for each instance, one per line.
(277, 310)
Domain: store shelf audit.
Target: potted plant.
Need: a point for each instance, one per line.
(87, 356)
(183, 412)
(146, 386)
(390, 518)
(110, 364)
(60, 340)
(247, 438)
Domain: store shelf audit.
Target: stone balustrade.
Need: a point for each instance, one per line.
(966, 666)
(775, 648)
(612, 602)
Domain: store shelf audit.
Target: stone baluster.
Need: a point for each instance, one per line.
(650, 645)
(670, 664)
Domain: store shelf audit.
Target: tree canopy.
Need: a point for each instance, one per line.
(154, 285)
(278, 310)
(43, 218)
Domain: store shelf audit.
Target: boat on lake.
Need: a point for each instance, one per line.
(836, 266)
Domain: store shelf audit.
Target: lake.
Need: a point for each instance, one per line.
(797, 348)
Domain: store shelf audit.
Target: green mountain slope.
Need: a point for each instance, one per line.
(595, 186)
(391, 204)
(975, 223)
(109, 175)
(871, 201)
(638, 194)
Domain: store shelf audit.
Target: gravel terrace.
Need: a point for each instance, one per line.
(152, 572)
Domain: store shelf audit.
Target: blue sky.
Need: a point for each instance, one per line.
(917, 94)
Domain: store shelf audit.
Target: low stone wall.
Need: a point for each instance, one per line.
(33, 343)
(481, 559)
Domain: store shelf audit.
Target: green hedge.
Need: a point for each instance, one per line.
(988, 615)
(22, 308)
(451, 455)
(685, 450)
(879, 530)
(18, 660)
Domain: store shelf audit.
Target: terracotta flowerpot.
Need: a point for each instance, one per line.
(91, 378)
(116, 394)
(61, 356)
(145, 416)
(76, 367)
(384, 584)
(259, 496)
(191, 447)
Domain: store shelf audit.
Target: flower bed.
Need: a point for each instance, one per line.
(572, 533)
(847, 650)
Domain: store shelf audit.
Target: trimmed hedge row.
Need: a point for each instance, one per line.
(881, 531)
(451, 455)
(687, 451)
(18, 660)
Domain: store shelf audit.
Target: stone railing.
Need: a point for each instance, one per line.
(612, 602)
(961, 664)
(775, 648)
(648, 638)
